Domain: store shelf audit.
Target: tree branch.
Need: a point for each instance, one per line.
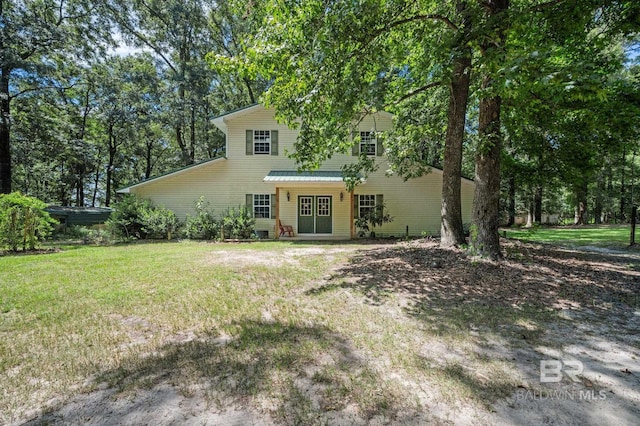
(542, 6)
(35, 89)
(434, 17)
(430, 17)
(416, 92)
(143, 39)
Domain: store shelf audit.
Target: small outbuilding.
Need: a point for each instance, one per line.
(80, 216)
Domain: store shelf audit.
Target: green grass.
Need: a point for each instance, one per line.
(615, 236)
(126, 315)
(302, 329)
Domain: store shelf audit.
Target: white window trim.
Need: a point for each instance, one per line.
(256, 141)
(327, 205)
(371, 140)
(368, 206)
(257, 205)
(304, 202)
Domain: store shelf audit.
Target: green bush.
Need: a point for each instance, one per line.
(377, 216)
(23, 221)
(202, 226)
(159, 223)
(238, 223)
(139, 218)
(127, 219)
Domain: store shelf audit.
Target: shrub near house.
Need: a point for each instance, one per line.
(23, 221)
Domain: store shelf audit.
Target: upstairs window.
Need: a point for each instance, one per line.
(368, 143)
(262, 142)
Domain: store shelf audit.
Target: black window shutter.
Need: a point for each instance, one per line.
(379, 202)
(274, 142)
(249, 199)
(380, 146)
(355, 149)
(273, 206)
(249, 142)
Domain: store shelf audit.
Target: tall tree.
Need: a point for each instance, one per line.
(30, 33)
(451, 229)
(180, 34)
(332, 65)
(486, 201)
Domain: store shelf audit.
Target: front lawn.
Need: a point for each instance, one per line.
(613, 236)
(297, 333)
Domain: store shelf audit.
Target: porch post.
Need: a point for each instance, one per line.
(352, 226)
(276, 232)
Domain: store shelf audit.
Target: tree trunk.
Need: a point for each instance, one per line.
(537, 205)
(486, 201)
(5, 133)
(451, 228)
(530, 212)
(96, 182)
(192, 139)
(80, 190)
(633, 179)
(112, 157)
(512, 200)
(252, 97)
(581, 204)
(485, 239)
(623, 188)
(148, 158)
(598, 207)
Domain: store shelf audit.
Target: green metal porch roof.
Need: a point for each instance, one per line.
(307, 176)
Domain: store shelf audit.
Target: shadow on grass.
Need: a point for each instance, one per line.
(292, 374)
(503, 307)
(541, 277)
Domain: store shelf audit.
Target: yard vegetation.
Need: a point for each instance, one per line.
(293, 333)
(611, 236)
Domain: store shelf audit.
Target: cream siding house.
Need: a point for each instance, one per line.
(257, 172)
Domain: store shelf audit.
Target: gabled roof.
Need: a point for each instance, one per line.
(127, 189)
(221, 121)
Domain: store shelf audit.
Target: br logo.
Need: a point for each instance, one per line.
(551, 370)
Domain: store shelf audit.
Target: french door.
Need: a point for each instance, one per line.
(315, 214)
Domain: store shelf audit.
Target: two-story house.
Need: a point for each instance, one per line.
(257, 172)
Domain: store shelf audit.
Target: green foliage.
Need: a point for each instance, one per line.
(126, 219)
(139, 218)
(87, 235)
(204, 225)
(371, 218)
(23, 221)
(159, 222)
(238, 222)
